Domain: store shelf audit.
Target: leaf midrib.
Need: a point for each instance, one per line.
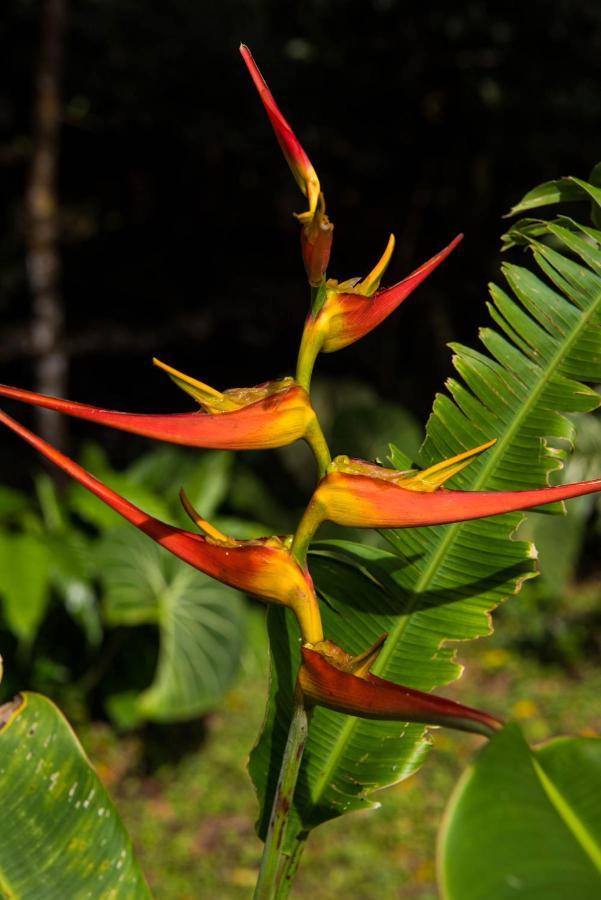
(569, 816)
(427, 576)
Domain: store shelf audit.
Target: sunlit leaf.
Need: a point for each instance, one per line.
(525, 823)
(62, 836)
(24, 582)
(438, 585)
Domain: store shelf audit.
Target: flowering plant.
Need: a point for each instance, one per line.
(357, 632)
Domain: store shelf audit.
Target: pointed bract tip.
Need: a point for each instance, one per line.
(298, 161)
(371, 282)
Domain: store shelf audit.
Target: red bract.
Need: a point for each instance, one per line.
(297, 159)
(352, 316)
(259, 418)
(358, 501)
(316, 244)
(349, 314)
(324, 683)
(262, 567)
(351, 309)
(358, 494)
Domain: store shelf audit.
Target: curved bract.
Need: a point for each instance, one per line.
(275, 420)
(348, 315)
(300, 164)
(351, 309)
(358, 501)
(359, 494)
(370, 697)
(262, 567)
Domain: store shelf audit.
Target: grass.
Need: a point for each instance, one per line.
(185, 796)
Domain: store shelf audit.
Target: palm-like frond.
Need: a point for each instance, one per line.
(440, 584)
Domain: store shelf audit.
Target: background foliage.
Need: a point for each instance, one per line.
(448, 116)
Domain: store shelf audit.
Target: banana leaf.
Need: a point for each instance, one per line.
(438, 585)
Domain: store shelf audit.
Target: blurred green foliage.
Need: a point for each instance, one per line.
(97, 617)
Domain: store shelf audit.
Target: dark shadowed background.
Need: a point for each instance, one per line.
(176, 229)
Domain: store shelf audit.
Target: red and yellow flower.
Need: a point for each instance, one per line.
(317, 231)
(263, 567)
(332, 678)
(269, 415)
(351, 309)
(358, 494)
(300, 164)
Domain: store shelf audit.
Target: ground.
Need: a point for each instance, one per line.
(188, 803)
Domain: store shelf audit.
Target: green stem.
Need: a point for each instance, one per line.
(311, 342)
(290, 864)
(274, 863)
(318, 444)
(308, 525)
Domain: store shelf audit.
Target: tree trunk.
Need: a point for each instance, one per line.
(42, 222)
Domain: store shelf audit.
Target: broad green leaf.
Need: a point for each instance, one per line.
(201, 624)
(61, 835)
(72, 570)
(24, 583)
(205, 477)
(92, 510)
(559, 541)
(525, 823)
(12, 502)
(439, 584)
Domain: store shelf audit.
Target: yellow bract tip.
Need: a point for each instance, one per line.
(362, 663)
(210, 399)
(371, 283)
(204, 526)
(431, 479)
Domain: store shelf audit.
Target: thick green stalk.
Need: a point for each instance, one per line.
(274, 864)
(312, 518)
(290, 864)
(318, 444)
(310, 346)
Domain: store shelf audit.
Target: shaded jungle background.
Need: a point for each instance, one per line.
(169, 233)
(177, 236)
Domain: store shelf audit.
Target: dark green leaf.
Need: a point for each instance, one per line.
(439, 584)
(201, 624)
(24, 583)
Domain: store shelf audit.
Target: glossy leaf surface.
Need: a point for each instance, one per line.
(439, 584)
(62, 836)
(525, 823)
(201, 624)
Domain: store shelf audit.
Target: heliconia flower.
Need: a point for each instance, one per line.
(358, 494)
(353, 308)
(270, 415)
(332, 678)
(316, 244)
(262, 567)
(297, 159)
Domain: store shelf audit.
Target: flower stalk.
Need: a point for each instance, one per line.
(276, 857)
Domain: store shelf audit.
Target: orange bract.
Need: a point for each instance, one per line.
(262, 567)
